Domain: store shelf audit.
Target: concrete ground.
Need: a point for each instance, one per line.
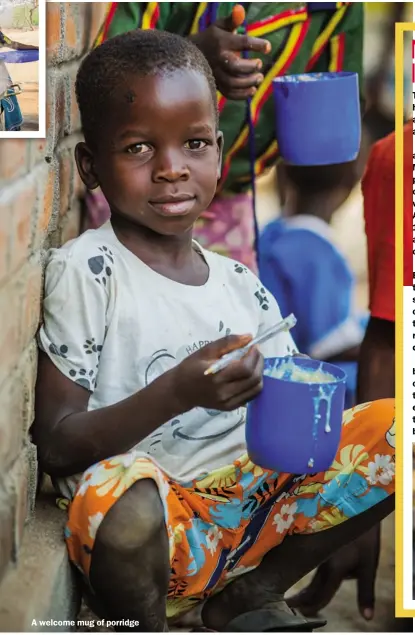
(27, 75)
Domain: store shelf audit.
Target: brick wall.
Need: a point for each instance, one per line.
(39, 207)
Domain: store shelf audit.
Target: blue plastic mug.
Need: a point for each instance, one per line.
(20, 57)
(317, 118)
(295, 427)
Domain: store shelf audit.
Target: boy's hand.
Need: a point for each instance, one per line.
(236, 77)
(227, 390)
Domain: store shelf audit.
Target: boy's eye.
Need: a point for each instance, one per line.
(195, 144)
(139, 148)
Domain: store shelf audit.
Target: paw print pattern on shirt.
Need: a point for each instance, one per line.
(83, 378)
(100, 265)
(61, 350)
(221, 327)
(91, 347)
(261, 296)
(238, 268)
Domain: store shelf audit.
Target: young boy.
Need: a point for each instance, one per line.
(304, 270)
(170, 509)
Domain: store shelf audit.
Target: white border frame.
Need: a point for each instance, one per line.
(41, 133)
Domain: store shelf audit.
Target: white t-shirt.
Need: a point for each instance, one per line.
(113, 325)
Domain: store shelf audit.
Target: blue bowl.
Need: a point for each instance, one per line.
(317, 118)
(295, 427)
(20, 57)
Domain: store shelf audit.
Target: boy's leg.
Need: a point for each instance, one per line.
(130, 566)
(285, 565)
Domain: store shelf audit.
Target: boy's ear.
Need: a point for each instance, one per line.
(219, 142)
(85, 164)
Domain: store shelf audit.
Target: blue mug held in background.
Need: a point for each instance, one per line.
(317, 118)
(292, 426)
(20, 57)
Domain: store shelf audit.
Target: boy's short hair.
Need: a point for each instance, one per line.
(139, 52)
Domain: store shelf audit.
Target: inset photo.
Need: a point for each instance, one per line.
(22, 69)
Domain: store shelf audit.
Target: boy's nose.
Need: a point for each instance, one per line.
(171, 167)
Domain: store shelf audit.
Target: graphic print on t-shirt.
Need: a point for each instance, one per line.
(188, 426)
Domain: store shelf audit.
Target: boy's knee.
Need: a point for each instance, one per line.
(135, 519)
(381, 416)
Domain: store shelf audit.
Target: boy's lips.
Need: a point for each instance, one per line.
(173, 205)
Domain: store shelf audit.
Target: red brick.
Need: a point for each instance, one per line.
(74, 114)
(20, 478)
(37, 148)
(55, 110)
(66, 182)
(9, 332)
(78, 189)
(71, 38)
(30, 298)
(20, 313)
(11, 420)
(5, 218)
(76, 16)
(46, 198)
(98, 12)
(7, 530)
(28, 368)
(16, 215)
(70, 225)
(53, 30)
(23, 209)
(13, 158)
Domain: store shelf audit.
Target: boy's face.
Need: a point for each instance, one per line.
(158, 159)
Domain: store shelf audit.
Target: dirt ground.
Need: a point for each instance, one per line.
(27, 75)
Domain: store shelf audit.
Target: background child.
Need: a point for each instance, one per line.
(303, 268)
(169, 507)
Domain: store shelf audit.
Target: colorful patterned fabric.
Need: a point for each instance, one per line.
(301, 40)
(222, 524)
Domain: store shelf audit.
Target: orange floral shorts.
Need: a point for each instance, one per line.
(221, 525)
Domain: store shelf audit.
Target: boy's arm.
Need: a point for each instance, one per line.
(17, 46)
(69, 437)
